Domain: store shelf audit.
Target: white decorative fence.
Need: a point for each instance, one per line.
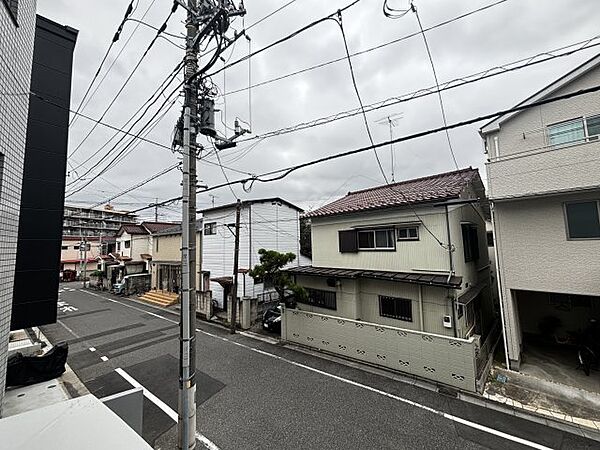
(450, 361)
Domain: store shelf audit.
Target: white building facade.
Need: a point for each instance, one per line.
(544, 186)
(17, 31)
(271, 223)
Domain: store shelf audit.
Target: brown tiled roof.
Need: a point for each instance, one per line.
(438, 187)
(132, 229)
(431, 279)
(155, 227)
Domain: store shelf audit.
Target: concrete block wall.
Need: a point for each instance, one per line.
(16, 53)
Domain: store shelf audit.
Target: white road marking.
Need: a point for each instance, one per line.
(68, 329)
(164, 407)
(92, 349)
(450, 417)
(104, 358)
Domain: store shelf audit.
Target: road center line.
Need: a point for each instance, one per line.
(104, 358)
(164, 407)
(92, 349)
(450, 417)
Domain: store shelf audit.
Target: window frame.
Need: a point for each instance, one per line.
(566, 218)
(320, 303)
(472, 257)
(408, 238)
(586, 134)
(210, 229)
(375, 248)
(126, 244)
(404, 318)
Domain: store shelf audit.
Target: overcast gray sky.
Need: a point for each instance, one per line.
(507, 32)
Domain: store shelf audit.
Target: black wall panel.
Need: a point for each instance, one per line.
(35, 293)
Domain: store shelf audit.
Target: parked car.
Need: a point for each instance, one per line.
(132, 284)
(272, 319)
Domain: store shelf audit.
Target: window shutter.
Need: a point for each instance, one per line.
(348, 240)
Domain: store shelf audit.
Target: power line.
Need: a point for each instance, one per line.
(367, 50)
(133, 71)
(148, 103)
(287, 171)
(284, 39)
(435, 78)
(138, 185)
(112, 43)
(452, 84)
(362, 108)
(115, 60)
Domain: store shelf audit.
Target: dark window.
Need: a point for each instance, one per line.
(64, 247)
(490, 238)
(127, 244)
(382, 239)
(470, 242)
(408, 233)
(348, 241)
(460, 310)
(396, 308)
(320, 298)
(582, 220)
(210, 228)
(118, 246)
(593, 126)
(76, 247)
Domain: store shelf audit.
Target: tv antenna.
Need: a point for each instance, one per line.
(391, 121)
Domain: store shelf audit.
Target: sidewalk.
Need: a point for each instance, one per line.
(567, 404)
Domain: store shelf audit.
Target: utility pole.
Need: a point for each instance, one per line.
(156, 210)
(187, 323)
(85, 262)
(204, 19)
(236, 254)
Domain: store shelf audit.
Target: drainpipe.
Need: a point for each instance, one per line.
(421, 306)
(451, 271)
(500, 291)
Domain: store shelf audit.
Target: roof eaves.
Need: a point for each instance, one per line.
(564, 80)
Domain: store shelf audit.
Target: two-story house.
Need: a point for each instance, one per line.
(544, 187)
(137, 241)
(270, 223)
(403, 255)
(400, 278)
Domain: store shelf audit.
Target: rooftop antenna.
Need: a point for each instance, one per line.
(391, 121)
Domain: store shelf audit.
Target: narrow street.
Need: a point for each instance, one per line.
(253, 394)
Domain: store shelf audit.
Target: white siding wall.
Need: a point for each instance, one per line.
(525, 165)
(424, 254)
(16, 52)
(262, 225)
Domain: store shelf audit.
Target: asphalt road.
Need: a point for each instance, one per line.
(256, 395)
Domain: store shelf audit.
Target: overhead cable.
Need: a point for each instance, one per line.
(287, 171)
(129, 77)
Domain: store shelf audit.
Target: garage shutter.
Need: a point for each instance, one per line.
(348, 241)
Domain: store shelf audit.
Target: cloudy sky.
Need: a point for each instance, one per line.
(507, 32)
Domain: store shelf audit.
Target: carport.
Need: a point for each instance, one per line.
(551, 325)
